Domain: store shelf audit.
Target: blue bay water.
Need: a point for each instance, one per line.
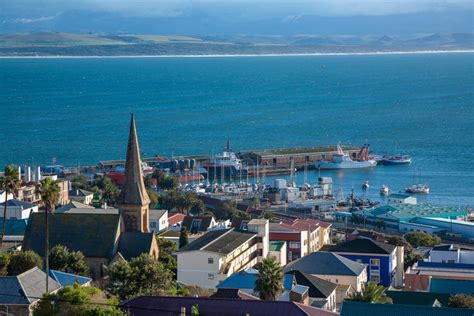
(77, 110)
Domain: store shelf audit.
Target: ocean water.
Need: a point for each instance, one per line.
(77, 110)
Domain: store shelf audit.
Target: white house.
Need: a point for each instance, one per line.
(331, 267)
(81, 196)
(158, 220)
(17, 209)
(218, 254)
(3, 196)
(398, 198)
(451, 254)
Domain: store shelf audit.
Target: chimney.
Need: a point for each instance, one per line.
(399, 273)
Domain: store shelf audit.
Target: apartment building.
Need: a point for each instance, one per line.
(218, 254)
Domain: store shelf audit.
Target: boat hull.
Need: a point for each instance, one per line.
(328, 165)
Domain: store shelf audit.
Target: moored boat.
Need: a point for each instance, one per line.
(384, 190)
(341, 160)
(365, 185)
(418, 188)
(395, 160)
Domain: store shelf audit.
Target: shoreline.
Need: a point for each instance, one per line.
(419, 52)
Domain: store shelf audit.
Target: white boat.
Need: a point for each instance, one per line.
(226, 159)
(384, 190)
(418, 188)
(341, 160)
(365, 185)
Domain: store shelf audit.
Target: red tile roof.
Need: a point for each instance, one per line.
(175, 219)
(300, 224)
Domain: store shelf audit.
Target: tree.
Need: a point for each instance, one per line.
(372, 293)
(141, 276)
(198, 207)
(182, 202)
(49, 191)
(21, 261)
(268, 215)
(62, 259)
(410, 257)
(110, 191)
(4, 262)
(163, 181)
(9, 183)
(269, 282)
(169, 183)
(183, 237)
(461, 301)
(167, 248)
(421, 239)
(76, 300)
(79, 182)
(226, 210)
(153, 197)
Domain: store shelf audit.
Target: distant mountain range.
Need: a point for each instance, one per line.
(65, 44)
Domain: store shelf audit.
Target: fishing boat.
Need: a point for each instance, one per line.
(418, 188)
(341, 160)
(395, 160)
(365, 185)
(226, 164)
(384, 190)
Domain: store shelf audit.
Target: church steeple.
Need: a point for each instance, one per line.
(135, 201)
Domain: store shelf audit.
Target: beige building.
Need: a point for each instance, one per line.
(218, 254)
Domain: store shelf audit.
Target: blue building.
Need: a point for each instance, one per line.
(382, 260)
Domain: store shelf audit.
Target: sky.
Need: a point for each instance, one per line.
(224, 17)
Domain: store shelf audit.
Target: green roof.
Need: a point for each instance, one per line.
(276, 245)
(439, 285)
(364, 309)
(417, 298)
(408, 211)
(92, 234)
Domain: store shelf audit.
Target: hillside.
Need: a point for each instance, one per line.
(64, 44)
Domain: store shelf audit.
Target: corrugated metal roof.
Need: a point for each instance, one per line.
(364, 309)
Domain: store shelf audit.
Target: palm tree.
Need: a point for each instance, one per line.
(372, 293)
(270, 279)
(9, 183)
(49, 191)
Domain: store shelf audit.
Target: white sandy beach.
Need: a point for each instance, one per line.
(252, 55)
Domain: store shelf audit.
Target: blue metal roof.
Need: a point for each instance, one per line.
(66, 279)
(427, 264)
(245, 279)
(15, 227)
(451, 286)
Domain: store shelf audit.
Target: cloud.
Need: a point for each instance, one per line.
(248, 8)
(31, 20)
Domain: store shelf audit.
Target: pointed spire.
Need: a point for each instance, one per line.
(134, 187)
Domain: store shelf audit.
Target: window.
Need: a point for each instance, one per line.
(210, 260)
(375, 278)
(210, 276)
(294, 245)
(374, 262)
(153, 224)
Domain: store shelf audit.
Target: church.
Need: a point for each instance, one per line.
(102, 235)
